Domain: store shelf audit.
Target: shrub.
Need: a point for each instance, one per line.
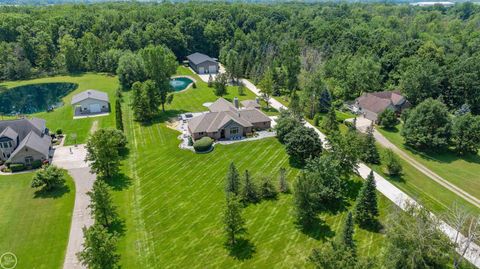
(203, 144)
(59, 131)
(392, 164)
(36, 164)
(194, 85)
(17, 167)
(316, 120)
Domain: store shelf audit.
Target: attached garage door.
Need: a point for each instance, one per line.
(95, 108)
(212, 69)
(201, 70)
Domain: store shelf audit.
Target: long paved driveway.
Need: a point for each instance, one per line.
(72, 159)
(394, 194)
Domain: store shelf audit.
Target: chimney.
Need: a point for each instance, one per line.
(257, 100)
(235, 103)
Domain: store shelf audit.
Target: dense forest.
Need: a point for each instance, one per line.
(348, 48)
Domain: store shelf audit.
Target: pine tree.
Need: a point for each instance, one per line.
(366, 208)
(267, 189)
(347, 233)
(101, 204)
(118, 115)
(233, 180)
(330, 124)
(233, 220)
(249, 190)
(370, 152)
(282, 181)
(304, 201)
(99, 249)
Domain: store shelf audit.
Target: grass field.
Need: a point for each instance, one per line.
(62, 117)
(464, 172)
(172, 202)
(34, 227)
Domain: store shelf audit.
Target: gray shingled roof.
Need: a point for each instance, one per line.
(221, 105)
(222, 112)
(250, 104)
(93, 94)
(24, 126)
(10, 133)
(198, 58)
(35, 142)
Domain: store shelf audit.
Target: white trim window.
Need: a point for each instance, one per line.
(234, 130)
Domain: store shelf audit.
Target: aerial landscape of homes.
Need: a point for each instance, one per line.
(239, 135)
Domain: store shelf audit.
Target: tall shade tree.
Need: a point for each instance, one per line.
(391, 162)
(428, 126)
(466, 134)
(69, 49)
(233, 221)
(266, 86)
(366, 208)
(232, 183)
(103, 151)
(101, 204)
(329, 123)
(388, 119)
(303, 143)
(99, 249)
(286, 123)
(282, 181)
(160, 64)
(415, 240)
(130, 69)
(311, 93)
(49, 178)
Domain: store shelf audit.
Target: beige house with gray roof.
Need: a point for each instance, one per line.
(227, 120)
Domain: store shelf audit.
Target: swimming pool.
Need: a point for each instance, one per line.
(180, 83)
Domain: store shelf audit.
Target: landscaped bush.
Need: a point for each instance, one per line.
(194, 85)
(16, 167)
(59, 131)
(203, 144)
(36, 164)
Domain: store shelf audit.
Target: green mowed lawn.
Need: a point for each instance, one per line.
(62, 117)
(464, 172)
(172, 201)
(34, 227)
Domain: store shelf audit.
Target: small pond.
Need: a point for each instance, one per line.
(34, 98)
(180, 83)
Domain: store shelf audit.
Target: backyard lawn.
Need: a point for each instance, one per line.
(34, 227)
(62, 117)
(172, 202)
(464, 172)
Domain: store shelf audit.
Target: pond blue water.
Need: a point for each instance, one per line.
(34, 98)
(180, 83)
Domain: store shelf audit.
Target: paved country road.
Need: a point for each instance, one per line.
(394, 194)
(72, 159)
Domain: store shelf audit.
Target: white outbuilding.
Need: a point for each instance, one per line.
(90, 102)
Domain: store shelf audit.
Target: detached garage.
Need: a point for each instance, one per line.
(203, 64)
(90, 102)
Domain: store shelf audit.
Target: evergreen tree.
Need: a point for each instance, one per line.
(139, 103)
(325, 101)
(118, 115)
(210, 81)
(347, 233)
(267, 189)
(249, 190)
(99, 249)
(282, 181)
(295, 107)
(233, 220)
(330, 124)
(304, 201)
(101, 204)
(370, 152)
(366, 208)
(233, 180)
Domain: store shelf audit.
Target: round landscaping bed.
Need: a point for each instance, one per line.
(203, 145)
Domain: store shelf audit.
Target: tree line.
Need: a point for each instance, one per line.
(342, 49)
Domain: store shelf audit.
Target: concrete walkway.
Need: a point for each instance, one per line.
(386, 188)
(72, 159)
